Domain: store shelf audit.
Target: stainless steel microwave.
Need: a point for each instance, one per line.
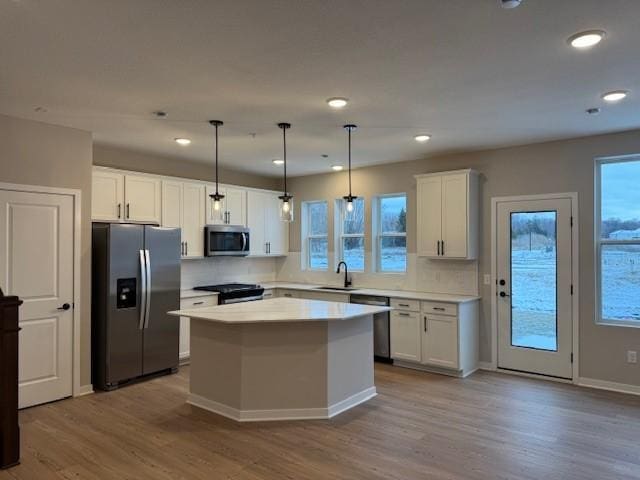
(228, 240)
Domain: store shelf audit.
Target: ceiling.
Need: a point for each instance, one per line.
(470, 73)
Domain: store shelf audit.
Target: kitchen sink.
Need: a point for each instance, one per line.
(344, 289)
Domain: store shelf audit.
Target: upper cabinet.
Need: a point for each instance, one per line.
(233, 207)
(269, 234)
(122, 197)
(183, 206)
(107, 196)
(447, 215)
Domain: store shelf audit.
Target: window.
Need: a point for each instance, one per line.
(390, 232)
(315, 231)
(618, 241)
(350, 231)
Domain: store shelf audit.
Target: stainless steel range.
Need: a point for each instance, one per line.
(235, 292)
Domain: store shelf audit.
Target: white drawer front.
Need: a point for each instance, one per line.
(402, 304)
(197, 302)
(268, 294)
(440, 308)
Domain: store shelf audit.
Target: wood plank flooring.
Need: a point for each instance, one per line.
(420, 426)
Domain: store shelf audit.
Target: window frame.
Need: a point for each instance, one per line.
(307, 237)
(599, 242)
(379, 235)
(340, 235)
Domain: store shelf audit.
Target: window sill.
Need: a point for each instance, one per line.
(619, 323)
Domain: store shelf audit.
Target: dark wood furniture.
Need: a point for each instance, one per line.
(9, 430)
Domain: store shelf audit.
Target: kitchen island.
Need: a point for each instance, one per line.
(281, 359)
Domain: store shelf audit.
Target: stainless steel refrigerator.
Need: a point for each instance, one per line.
(136, 281)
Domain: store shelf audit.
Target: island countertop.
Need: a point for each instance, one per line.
(278, 310)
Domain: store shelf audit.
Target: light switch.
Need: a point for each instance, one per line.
(487, 279)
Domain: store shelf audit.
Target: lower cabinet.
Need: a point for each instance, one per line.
(185, 331)
(446, 340)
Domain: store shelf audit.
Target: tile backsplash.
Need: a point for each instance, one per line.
(216, 270)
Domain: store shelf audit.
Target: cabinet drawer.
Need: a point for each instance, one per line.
(288, 293)
(198, 302)
(440, 308)
(401, 304)
(268, 294)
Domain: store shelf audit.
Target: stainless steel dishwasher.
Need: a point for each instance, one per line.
(381, 336)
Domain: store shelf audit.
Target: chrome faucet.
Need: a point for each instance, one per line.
(347, 282)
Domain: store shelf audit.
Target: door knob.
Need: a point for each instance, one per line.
(65, 306)
(503, 294)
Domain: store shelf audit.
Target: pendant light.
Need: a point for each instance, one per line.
(349, 198)
(216, 196)
(286, 208)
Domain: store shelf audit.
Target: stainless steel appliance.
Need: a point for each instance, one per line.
(136, 281)
(381, 326)
(234, 292)
(228, 240)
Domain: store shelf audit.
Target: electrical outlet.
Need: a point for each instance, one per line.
(487, 279)
(632, 356)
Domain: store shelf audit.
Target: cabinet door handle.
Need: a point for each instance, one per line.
(119, 210)
(181, 248)
(197, 303)
(403, 305)
(403, 314)
(186, 248)
(443, 248)
(425, 323)
(128, 211)
(438, 247)
(439, 309)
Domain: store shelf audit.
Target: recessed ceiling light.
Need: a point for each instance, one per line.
(182, 141)
(423, 137)
(337, 168)
(278, 161)
(584, 40)
(337, 102)
(614, 96)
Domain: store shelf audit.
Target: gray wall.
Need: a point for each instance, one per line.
(106, 156)
(34, 153)
(563, 166)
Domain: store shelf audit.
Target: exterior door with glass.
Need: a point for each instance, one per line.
(534, 286)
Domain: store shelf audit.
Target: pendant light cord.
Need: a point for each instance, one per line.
(349, 130)
(284, 149)
(216, 125)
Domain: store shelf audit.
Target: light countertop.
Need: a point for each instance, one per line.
(404, 294)
(190, 293)
(277, 310)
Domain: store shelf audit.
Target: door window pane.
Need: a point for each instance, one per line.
(393, 254)
(620, 277)
(353, 252)
(318, 253)
(533, 280)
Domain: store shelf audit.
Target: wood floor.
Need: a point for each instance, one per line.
(421, 426)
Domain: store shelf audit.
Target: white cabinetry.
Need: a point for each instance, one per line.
(122, 197)
(440, 336)
(233, 207)
(183, 206)
(269, 234)
(185, 330)
(447, 215)
(142, 195)
(107, 196)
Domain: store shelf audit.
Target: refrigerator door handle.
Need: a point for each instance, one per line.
(147, 258)
(143, 289)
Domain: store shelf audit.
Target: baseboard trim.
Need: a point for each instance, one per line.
(184, 360)
(488, 366)
(610, 386)
(284, 414)
(433, 369)
(84, 390)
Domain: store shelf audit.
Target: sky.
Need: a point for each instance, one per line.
(621, 190)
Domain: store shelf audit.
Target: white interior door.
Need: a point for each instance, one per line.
(36, 264)
(534, 249)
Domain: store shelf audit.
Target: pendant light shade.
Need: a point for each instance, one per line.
(216, 197)
(349, 198)
(286, 207)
